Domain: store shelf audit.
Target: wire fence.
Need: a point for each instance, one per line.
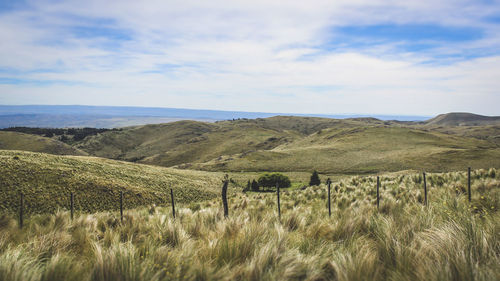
(130, 200)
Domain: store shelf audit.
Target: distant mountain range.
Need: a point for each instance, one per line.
(57, 116)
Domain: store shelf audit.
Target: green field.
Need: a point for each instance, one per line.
(450, 239)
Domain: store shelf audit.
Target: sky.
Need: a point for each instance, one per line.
(325, 57)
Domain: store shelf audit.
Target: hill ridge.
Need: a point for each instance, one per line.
(462, 119)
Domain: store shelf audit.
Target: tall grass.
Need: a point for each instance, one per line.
(402, 240)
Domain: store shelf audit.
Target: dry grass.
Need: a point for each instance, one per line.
(403, 240)
(47, 181)
(365, 150)
(35, 143)
(301, 144)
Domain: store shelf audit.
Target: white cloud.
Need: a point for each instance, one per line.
(246, 55)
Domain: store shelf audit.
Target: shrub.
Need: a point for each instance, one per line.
(314, 179)
(271, 179)
(255, 186)
(247, 188)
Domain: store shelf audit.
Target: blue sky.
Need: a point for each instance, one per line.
(325, 57)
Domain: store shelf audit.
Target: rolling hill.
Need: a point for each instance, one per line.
(285, 143)
(462, 119)
(293, 144)
(187, 142)
(366, 150)
(34, 143)
(47, 181)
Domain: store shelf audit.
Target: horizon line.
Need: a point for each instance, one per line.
(228, 111)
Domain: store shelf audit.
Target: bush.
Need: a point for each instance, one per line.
(248, 187)
(314, 179)
(255, 186)
(271, 179)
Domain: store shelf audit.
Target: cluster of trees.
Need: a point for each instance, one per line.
(77, 134)
(37, 131)
(268, 181)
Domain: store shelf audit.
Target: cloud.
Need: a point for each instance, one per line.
(386, 57)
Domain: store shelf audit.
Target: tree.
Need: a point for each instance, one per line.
(63, 138)
(271, 179)
(255, 186)
(314, 179)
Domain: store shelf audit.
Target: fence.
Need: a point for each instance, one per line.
(225, 202)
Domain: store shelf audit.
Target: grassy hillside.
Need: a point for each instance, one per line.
(490, 133)
(308, 125)
(47, 180)
(463, 119)
(449, 239)
(188, 142)
(301, 144)
(366, 150)
(29, 142)
(183, 142)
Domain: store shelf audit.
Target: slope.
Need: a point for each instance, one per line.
(187, 142)
(184, 142)
(28, 142)
(366, 150)
(462, 119)
(47, 181)
(288, 143)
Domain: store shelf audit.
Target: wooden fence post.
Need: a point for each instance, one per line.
(173, 206)
(278, 194)
(72, 205)
(425, 190)
(329, 182)
(121, 206)
(468, 184)
(378, 193)
(21, 210)
(224, 196)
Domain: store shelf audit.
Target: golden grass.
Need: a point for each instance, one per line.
(448, 240)
(47, 181)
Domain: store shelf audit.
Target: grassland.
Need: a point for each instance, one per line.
(490, 133)
(187, 142)
(293, 144)
(450, 239)
(361, 150)
(462, 119)
(301, 144)
(47, 181)
(182, 142)
(34, 143)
